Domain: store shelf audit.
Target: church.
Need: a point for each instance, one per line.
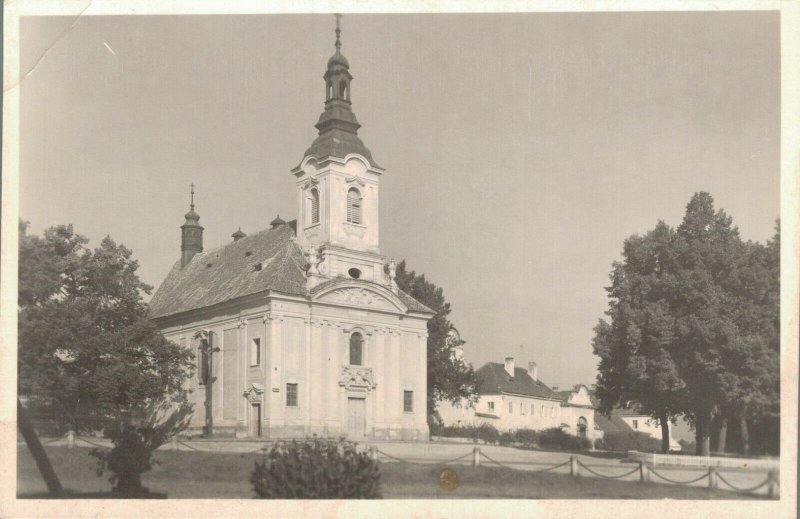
(300, 329)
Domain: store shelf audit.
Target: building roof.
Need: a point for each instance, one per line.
(267, 260)
(611, 424)
(493, 379)
(231, 271)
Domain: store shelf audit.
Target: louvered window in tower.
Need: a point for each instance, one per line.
(353, 206)
(314, 206)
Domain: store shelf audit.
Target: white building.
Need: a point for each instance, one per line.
(300, 329)
(514, 398)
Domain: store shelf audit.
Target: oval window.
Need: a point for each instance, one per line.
(354, 273)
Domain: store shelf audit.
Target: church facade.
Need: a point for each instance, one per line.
(300, 329)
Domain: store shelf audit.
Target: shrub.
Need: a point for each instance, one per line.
(557, 438)
(316, 469)
(134, 444)
(526, 437)
(624, 441)
(486, 432)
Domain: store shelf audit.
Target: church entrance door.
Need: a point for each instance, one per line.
(356, 418)
(255, 420)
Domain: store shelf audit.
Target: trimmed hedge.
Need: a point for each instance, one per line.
(485, 432)
(629, 441)
(553, 438)
(316, 469)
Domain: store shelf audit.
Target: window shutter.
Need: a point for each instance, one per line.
(314, 206)
(353, 206)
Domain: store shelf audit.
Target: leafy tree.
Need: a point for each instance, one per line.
(87, 351)
(635, 361)
(449, 377)
(694, 322)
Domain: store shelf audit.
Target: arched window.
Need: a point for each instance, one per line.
(343, 89)
(314, 206)
(356, 347)
(353, 206)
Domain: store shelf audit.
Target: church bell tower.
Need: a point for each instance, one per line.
(338, 187)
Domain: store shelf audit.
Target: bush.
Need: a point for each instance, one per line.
(486, 432)
(526, 437)
(624, 441)
(316, 469)
(557, 438)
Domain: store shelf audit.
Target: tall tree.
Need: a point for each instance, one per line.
(449, 377)
(86, 348)
(693, 322)
(634, 347)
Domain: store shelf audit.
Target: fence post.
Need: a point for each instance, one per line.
(644, 472)
(573, 466)
(70, 439)
(712, 478)
(476, 456)
(175, 442)
(772, 478)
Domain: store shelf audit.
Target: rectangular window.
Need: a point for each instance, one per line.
(490, 405)
(542, 412)
(522, 409)
(408, 401)
(636, 424)
(291, 395)
(255, 352)
(511, 408)
(553, 412)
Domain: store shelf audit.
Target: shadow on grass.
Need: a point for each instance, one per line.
(69, 494)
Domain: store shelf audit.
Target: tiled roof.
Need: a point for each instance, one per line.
(493, 379)
(230, 271)
(611, 424)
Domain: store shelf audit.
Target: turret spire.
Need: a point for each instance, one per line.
(338, 126)
(338, 43)
(191, 233)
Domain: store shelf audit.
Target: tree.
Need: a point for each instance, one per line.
(87, 351)
(694, 323)
(449, 377)
(635, 360)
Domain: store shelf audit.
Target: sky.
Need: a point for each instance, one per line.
(520, 149)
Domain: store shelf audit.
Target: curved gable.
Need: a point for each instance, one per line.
(360, 294)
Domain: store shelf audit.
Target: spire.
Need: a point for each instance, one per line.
(338, 126)
(191, 233)
(338, 43)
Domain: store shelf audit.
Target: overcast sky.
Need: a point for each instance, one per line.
(521, 150)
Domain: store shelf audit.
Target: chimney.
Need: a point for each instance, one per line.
(510, 366)
(533, 371)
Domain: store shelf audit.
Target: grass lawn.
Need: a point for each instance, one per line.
(226, 475)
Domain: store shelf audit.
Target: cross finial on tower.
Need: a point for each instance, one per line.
(338, 32)
(191, 204)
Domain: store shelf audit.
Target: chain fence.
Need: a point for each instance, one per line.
(575, 465)
(603, 476)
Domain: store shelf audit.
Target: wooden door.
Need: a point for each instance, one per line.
(356, 418)
(255, 420)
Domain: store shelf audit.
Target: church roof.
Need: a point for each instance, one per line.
(494, 379)
(267, 260)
